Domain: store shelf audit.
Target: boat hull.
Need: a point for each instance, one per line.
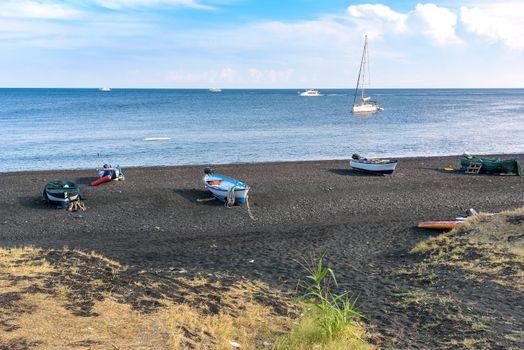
(61, 192)
(376, 168)
(440, 225)
(493, 166)
(224, 185)
(101, 180)
(310, 93)
(365, 108)
(240, 195)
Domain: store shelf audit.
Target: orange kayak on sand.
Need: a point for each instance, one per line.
(439, 225)
(103, 179)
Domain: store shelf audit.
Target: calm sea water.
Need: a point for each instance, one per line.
(84, 128)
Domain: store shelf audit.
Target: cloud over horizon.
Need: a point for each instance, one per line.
(503, 22)
(161, 48)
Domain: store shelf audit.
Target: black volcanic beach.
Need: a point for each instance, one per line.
(364, 224)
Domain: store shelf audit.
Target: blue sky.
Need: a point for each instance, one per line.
(260, 44)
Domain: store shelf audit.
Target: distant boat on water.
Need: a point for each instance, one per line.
(310, 92)
(105, 88)
(215, 90)
(157, 138)
(366, 105)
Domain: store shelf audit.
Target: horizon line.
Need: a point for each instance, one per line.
(267, 88)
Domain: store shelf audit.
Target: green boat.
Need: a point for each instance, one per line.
(492, 166)
(61, 192)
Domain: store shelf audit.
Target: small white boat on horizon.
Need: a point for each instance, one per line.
(366, 105)
(215, 90)
(157, 138)
(310, 92)
(105, 88)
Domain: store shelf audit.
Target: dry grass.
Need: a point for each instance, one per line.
(60, 300)
(487, 246)
(413, 297)
(308, 336)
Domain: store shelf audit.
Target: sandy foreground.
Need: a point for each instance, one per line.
(364, 224)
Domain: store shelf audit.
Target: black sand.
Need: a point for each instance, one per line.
(365, 224)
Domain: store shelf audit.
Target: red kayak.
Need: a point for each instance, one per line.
(103, 179)
(439, 225)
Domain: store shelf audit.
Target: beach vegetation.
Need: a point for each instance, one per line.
(64, 298)
(472, 343)
(515, 336)
(413, 297)
(330, 320)
(486, 252)
(485, 247)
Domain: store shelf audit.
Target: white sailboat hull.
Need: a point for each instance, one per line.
(365, 108)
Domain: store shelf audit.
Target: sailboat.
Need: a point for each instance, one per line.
(366, 105)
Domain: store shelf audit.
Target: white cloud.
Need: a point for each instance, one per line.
(308, 39)
(35, 10)
(221, 76)
(271, 76)
(377, 19)
(181, 76)
(320, 51)
(227, 77)
(502, 22)
(433, 21)
(437, 22)
(53, 9)
(119, 4)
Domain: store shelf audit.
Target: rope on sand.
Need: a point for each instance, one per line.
(76, 205)
(230, 201)
(249, 209)
(205, 199)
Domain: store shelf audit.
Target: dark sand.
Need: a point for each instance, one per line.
(365, 224)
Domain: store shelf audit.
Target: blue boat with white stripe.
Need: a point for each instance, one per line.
(224, 188)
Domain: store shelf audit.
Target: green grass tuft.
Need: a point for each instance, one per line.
(330, 321)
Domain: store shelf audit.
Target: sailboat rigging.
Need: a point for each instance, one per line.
(366, 105)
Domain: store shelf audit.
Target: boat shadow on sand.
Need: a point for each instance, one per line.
(85, 180)
(350, 172)
(463, 173)
(33, 202)
(194, 195)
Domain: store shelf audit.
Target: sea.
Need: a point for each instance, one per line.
(86, 128)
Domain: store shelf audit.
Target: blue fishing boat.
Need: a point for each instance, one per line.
(224, 188)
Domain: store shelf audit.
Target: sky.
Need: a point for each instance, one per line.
(260, 43)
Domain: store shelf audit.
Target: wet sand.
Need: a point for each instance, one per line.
(365, 224)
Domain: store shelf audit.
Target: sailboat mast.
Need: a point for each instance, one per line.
(365, 58)
(362, 66)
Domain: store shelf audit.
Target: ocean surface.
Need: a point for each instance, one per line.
(85, 128)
